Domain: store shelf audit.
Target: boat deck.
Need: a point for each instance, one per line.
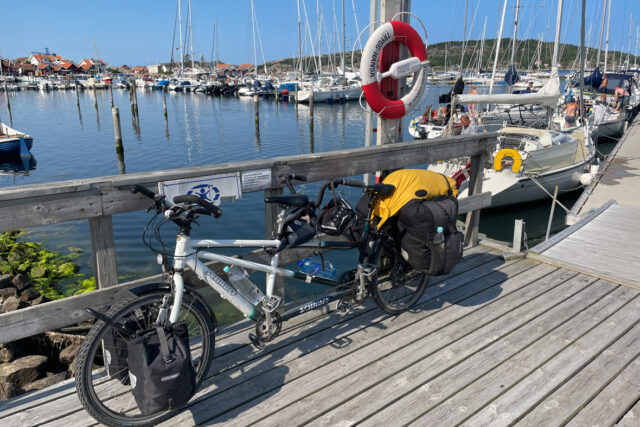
(494, 342)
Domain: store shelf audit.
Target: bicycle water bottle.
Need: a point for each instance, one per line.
(240, 280)
(439, 237)
(315, 267)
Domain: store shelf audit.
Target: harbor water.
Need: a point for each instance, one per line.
(73, 142)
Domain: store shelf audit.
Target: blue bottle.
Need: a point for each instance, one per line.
(315, 267)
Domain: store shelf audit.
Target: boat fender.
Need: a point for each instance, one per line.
(508, 152)
(369, 65)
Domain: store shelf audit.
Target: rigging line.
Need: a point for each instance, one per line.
(313, 52)
(173, 39)
(355, 17)
(264, 61)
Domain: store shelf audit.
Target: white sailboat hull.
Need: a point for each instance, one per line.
(346, 93)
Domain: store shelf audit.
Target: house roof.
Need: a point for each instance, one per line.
(139, 68)
(222, 65)
(28, 67)
(245, 66)
(50, 58)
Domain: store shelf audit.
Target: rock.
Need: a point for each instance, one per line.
(68, 355)
(8, 292)
(10, 351)
(12, 303)
(21, 282)
(45, 382)
(8, 390)
(39, 300)
(5, 280)
(22, 371)
(29, 294)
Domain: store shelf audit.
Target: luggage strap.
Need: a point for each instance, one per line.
(106, 319)
(164, 347)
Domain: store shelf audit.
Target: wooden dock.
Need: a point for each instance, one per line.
(494, 342)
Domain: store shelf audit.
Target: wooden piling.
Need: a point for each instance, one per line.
(6, 95)
(134, 100)
(311, 110)
(111, 93)
(77, 96)
(117, 130)
(256, 103)
(164, 100)
(518, 228)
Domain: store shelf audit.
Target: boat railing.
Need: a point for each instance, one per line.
(96, 200)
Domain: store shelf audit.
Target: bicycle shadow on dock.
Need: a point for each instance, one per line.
(245, 378)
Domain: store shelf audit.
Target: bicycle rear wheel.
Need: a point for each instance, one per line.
(103, 388)
(397, 285)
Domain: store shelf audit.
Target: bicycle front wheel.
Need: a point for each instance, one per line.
(102, 380)
(397, 285)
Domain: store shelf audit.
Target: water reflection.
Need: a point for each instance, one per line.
(18, 166)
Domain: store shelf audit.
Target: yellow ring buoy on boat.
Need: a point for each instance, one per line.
(508, 152)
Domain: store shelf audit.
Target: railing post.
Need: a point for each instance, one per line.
(472, 222)
(104, 251)
(270, 218)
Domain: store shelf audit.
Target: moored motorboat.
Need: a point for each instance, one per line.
(14, 143)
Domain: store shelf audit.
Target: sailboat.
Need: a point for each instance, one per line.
(528, 163)
(14, 143)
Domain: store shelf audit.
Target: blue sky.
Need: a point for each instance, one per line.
(140, 32)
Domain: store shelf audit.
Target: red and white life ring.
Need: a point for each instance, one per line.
(385, 34)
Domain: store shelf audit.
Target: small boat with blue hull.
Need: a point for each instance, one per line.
(14, 143)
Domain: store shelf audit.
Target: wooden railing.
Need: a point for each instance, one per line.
(97, 199)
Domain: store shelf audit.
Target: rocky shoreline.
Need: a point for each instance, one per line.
(35, 362)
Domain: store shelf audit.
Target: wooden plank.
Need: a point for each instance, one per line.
(538, 249)
(104, 251)
(602, 274)
(483, 389)
(632, 417)
(546, 376)
(465, 272)
(471, 203)
(619, 400)
(329, 367)
(559, 407)
(416, 388)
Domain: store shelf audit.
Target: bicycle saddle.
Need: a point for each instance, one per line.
(382, 189)
(294, 200)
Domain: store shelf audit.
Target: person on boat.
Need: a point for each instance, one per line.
(426, 116)
(603, 88)
(472, 107)
(469, 128)
(447, 114)
(570, 110)
(622, 97)
(529, 88)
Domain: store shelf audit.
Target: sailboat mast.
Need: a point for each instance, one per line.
(253, 31)
(515, 33)
(464, 36)
(319, 36)
(556, 42)
(181, 52)
(344, 40)
(606, 46)
(630, 30)
(495, 61)
(300, 40)
(604, 14)
(582, 56)
(193, 66)
(484, 28)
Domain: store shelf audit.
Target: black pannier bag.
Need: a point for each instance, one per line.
(160, 368)
(418, 222)
(115, 351)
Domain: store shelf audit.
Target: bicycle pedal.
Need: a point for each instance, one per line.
(256, 342)
(270, 305)
(369, 270)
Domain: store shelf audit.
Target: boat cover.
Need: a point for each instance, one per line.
(407, 183)
(548, 95)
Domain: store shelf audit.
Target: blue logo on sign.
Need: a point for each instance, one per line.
(208, 192)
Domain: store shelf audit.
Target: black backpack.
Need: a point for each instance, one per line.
(160, 368)
(418, 222)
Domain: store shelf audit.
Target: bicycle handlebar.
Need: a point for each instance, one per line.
(212, 209)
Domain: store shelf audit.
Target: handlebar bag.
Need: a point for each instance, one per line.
(418, 221)
(160, 368)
